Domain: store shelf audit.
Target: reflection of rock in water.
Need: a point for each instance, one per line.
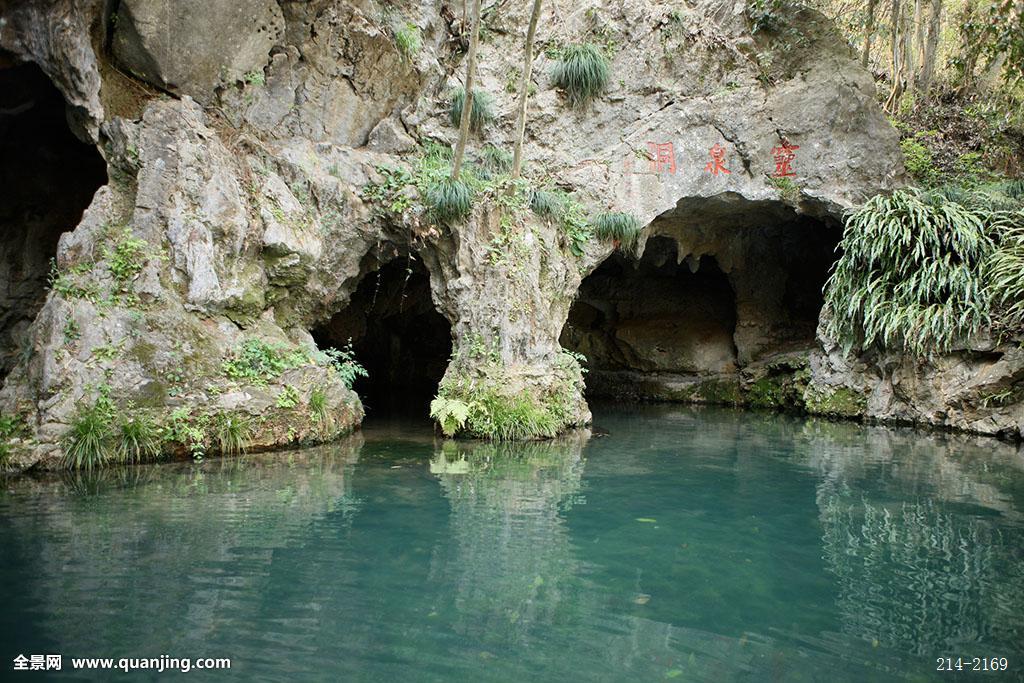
(157, 517)
(512, 561)
(918, 574)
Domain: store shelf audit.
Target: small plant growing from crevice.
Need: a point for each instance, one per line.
(618, 226)
(344, 363)
(318, 411)
(481, 111)
(407, 40)
(582, 72)
(11, 427)
(788, 190)
(288, 398)
(448, 200)
(256, 361)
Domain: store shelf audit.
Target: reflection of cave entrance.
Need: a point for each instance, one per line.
(397, 334)
(48, 178)
(743, 296)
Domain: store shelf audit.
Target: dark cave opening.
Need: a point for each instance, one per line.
(734, 298)
(48, 177)
(397, 334)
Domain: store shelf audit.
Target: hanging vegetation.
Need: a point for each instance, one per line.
(582, 72)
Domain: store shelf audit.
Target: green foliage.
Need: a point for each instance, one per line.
(139, 439)
(582, 72)
(231, 433)
(87, 443)
(545, 203)
(495, 160)
(766, 15)
(788, 190)
(407, 39)
(72, 332)
(288, 398)
(11, 427)
(1005, 268)
(255, 77)
(344, 363)
(619, 226)
(910, 275)
(126, 258)
(449, 200)
(917, 159)
(318, 406)
(256, 361)
(188, 430)
(74, 283)
(450, 413)
(481, 110)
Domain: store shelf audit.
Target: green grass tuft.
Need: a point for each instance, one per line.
(87, 444)
(495, 160)
(617, 225)
(139, 440)
(546, 203)
(582, 72)
(481, 112)
(449, 200)
(231, 433)
(407, 39)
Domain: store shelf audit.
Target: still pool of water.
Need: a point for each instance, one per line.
(683, 544)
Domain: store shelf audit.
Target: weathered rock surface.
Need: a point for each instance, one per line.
(246, 184)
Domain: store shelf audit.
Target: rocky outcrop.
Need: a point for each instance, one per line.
(239, 215)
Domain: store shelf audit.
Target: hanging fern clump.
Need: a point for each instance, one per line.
(1005, 270)
(911, 275)
(582, 72)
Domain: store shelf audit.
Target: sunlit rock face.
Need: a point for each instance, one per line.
(240, 154)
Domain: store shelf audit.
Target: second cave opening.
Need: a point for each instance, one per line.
(713, 296)
(397, 334)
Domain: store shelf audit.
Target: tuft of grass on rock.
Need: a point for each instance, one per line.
(139, 440)
(449, 200)
(582, 72)
(407, 39)
(481, 111)
(87, 444)
(232, 433)
(617, 225)
(546, 203)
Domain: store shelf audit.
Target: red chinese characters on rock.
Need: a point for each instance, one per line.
(717, 163)
(662, 156)
(783, 154)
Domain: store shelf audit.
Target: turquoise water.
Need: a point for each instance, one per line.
(685, 544)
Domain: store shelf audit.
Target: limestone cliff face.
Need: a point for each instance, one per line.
(240, 141)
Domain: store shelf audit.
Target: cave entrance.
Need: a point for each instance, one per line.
(722, 291)
(48, 178)
(399, 337)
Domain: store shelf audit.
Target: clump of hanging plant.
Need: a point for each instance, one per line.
(1005, 269)
(546, 203)
(618, 226)
(448, 200)
(495, 160)
(481, 111)
(582, 72)
(911, 275)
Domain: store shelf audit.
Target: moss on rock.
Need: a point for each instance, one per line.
(839, 402)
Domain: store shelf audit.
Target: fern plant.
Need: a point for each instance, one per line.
(450, 413)
(910, 275)
(582, 72)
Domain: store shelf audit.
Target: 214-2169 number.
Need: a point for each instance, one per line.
(972, 664)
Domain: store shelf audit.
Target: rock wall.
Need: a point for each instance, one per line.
(240, 143)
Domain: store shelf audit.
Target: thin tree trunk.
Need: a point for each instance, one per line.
(467, 106)
(931, 47)
(869, 30)
(524, 92)
(896, 50)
